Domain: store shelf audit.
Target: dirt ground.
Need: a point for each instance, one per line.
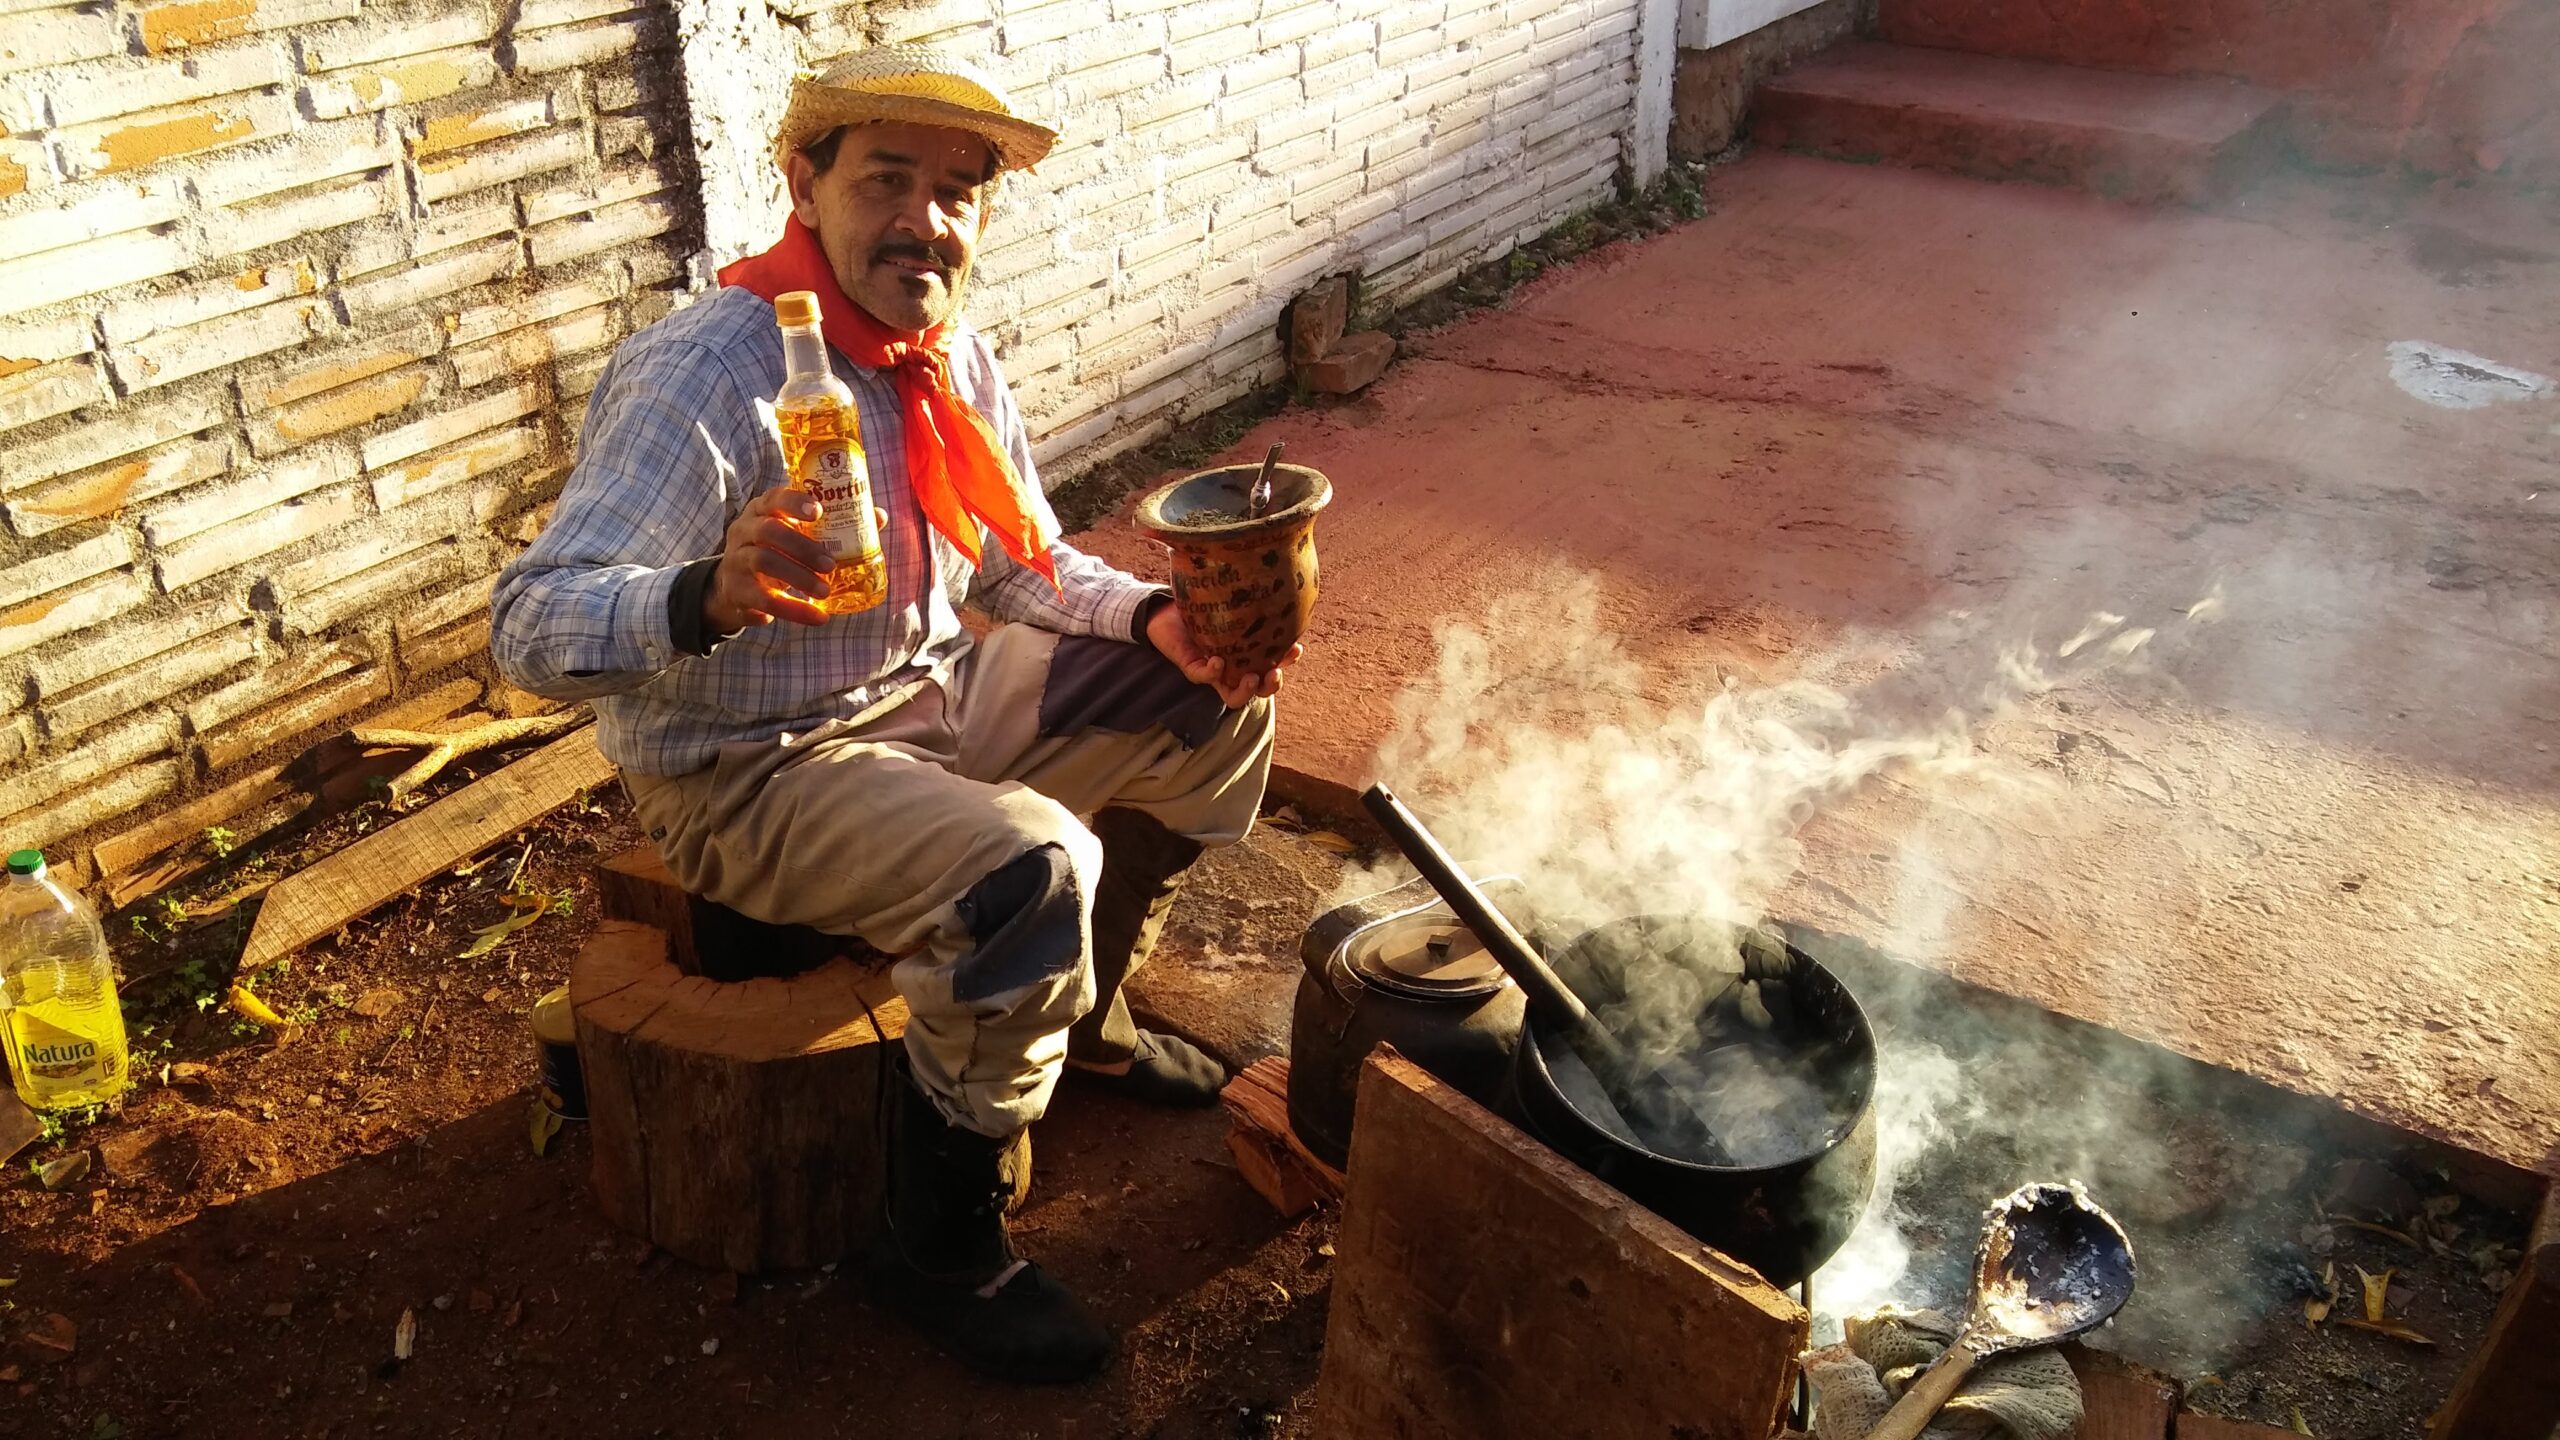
(262, 1213)
(2309, 834)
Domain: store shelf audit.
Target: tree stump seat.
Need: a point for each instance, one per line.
(710, 939)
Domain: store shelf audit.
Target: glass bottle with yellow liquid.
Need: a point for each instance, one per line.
(58, 1010)
(822, 452)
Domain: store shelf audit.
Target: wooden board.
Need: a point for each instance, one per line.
(2120, 1400)
(2511, 1388)
(1485, 1287)
(1267, 1151)
(2192, 1425)
(314, 902)
(735, 1125)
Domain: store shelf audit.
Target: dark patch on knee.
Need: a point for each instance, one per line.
(1098, 684)
(1026, 916)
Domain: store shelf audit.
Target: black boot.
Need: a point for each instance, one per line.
(947, 1266)
(1143, 865)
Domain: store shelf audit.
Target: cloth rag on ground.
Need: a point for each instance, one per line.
(2026, 1395)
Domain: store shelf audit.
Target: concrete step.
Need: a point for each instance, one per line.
(2148, 139)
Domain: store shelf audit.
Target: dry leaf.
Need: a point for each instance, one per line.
(2314, 1311)
(528, 907)
(1331, 841)
(250, 1007)
(2299, 1428)
(2377, 1291)
(545, 1125)
(2385, 1231)
(188, 1283)
(6, 1282)
(2397, 1330)
(404, 1338)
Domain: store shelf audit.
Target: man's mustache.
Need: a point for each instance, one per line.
(913, 254)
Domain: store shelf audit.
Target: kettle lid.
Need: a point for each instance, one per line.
(1425, 957)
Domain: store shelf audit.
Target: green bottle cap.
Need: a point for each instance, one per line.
(26, 862)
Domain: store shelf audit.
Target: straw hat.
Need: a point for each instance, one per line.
(919, 84)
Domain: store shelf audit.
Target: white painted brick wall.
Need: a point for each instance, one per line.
(300, 299)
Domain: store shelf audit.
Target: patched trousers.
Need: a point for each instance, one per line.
(944, 829)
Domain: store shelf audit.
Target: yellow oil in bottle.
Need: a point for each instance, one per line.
(822, 453)
(58, 1009)
(828, 463)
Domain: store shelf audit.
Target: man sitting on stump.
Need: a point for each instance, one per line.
(882, 774)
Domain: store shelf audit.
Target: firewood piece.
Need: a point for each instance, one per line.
(313, 902)
(2511, 1389)
(1267, 1151)
(2120, 1400)
(445, 747)
(1483, 1286)
(736, 1126)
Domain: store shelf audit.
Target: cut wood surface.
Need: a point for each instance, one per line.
(736, 1125)
(635, 886)
(2120, 1400)
(2195, 1425)
(704, 938)
(314, 902)
(1485, 1287)
(2511, 1388)
(1267, 1151)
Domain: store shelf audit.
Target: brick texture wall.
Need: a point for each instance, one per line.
(300, 299)
(298, 303)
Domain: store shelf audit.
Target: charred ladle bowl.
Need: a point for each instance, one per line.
(2051, 1265)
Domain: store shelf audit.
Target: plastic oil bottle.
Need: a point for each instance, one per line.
(822, 452)
(58, 1010)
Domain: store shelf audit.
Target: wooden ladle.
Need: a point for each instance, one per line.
(2051, 1265)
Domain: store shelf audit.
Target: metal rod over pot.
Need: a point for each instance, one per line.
(1664, 1105)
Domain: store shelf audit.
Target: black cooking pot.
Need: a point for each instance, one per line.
(1801, 1165)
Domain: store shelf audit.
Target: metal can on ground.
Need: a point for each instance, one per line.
(555, 1041)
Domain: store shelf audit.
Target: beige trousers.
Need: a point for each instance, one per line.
(944, 828)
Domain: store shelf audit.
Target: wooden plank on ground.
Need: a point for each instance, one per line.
(2120, 1400)
(2511, 1388)
(1486, 1287)
(2195, 1425)
(314, 902)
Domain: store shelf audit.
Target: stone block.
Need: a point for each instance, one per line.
(188, 23)
(565, 240)
(134, 142)
(430, 653)
(441, 276)
(303, 214)
(103, 490)
(383, 539)
(482, 413)
(28, 578)
(113, 647)
(293, 718)
(1317, 319)
(105, 91)
(544, 14)
(446, 607)
(135, 686)
(411, 81)
(228, 546)
(552, 50)
(297, 670)
(174, 355)
(553, 149)
(622, 182)
(51, 276)
(27, 343)
(58, 38)
(464, 128)
(50, 390)
(338, 47)
(98, 757)
(126, 321)
(202, 510)
(325, 151)
(441, 469)
(1350, 365)
(307, 375)
(78, 607)
(118, 795)
(344, 408)
(25, 165)
(376, 590)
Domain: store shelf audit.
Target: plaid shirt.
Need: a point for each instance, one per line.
(674, 446)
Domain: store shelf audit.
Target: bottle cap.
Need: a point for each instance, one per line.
(26, 862)
(796, 307)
